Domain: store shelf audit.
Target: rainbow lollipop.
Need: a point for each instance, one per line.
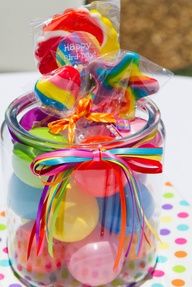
(60, 89)
(123, 82)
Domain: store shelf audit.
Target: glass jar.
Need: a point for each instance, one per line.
(92, 244)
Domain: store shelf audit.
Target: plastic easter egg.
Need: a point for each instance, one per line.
(136, 126)
(91, 261)
(110, 210)
(36, 117)
(22, 198)
(97, 178)
(23, 156)
(44, 133)
(77, 48)
(78, 216)
(37, 268)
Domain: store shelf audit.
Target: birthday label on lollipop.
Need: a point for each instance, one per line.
(77, 48)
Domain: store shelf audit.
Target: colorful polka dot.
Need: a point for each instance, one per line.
(5, 250)
(158, 273)
(168, 195)
(168, 183)
(180, 254)
(162, 259)
(178, 283)
(183, 227)
(4, 263)
(172, 266)
(2, 213)
(131, 265)
(163, 246)
(180, 241)
(15, 285)
(2, 276)
(184, 203)
(166, 219)
(183, 215)
(164, 231)
(167, 206)
(2, 227)
(179, 269)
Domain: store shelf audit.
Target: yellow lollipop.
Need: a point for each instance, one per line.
(77, 218)
(111, 40)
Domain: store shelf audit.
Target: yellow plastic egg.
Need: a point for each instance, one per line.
(78, 216)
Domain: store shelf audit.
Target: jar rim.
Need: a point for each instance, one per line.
(29, 100)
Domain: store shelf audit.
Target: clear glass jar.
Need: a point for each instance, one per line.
(88, 225)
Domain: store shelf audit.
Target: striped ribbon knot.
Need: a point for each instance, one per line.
(58, 166)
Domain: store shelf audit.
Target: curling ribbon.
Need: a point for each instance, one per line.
(58, 166)
(82, 110)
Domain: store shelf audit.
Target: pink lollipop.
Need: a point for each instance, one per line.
(91, 260)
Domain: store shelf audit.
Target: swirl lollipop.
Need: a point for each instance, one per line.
(94, 36)
(59, 89)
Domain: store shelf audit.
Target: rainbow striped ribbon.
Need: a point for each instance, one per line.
(58, 166)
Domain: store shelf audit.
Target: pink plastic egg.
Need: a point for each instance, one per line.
(91, 261)
(97, 178)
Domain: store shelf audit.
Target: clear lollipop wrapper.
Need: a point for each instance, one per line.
(77, 36)
(105, 91)
(120, 80)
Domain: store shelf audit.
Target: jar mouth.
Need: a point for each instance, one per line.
(24, 103)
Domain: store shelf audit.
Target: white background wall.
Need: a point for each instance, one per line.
(16, 33)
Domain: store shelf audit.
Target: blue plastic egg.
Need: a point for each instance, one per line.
(22, 198)
(110, 210)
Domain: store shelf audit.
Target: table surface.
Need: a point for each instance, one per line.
(174, 250)
(175, 103)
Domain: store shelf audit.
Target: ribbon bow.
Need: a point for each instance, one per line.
(58, 166)
(82, 110)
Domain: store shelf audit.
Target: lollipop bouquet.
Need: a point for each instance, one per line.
(86, 157)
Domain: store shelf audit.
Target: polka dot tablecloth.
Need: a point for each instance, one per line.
(174, 267)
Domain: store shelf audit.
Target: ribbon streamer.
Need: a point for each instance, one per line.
(58, 166)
